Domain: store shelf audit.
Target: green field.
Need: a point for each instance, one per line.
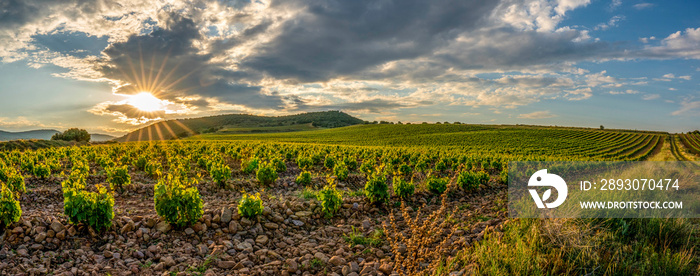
(425, 199)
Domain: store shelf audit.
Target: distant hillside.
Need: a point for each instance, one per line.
(171, 129)
(100, 137)
(32, 144)
(44, 134)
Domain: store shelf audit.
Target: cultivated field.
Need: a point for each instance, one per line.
(360, 200)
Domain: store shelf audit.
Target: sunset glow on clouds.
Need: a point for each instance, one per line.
(112, 66)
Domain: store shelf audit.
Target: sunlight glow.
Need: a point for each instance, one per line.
(145, 101)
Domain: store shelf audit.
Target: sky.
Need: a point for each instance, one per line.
(115, 66)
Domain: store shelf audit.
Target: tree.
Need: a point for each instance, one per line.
(73, 134)
(602, 127)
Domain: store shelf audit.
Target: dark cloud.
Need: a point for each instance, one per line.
(132, 112)
(369, 106)
(77, 44)
(167, 62)
(333, 38)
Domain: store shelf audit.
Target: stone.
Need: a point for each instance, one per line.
(292, 265)
(336, 261)
(23, 252)
(368, 269)
(168, 261)
(163, 227)
(266, 211)
(243, 246)
(72, 231)
(354, 267)
(189, 231)
(150, 222)
(233, 227)
(159, 267)
(345, 270)
(271, 225)
(61, 235)
(108, 254)
(56, 226)
(153, 249)
(228, 244)
(226, 264)
(262, 239)
(302, 214)
(226, 214)
(366, 225)
(41, 237)
(386, 268)
(199, 227)
(128, 227)
(18, 230)
(246, 222)
(297, 222)
(202, 249)
(321, 257)
(138, 254)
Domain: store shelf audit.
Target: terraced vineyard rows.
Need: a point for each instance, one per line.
(271, 204)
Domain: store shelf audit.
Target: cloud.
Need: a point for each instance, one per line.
(669, 76)
(537, 115)
(628, 91)
(685, 77)
(685, 44)
(611, 23)
(642, 6)
(690, 108)
(614, 4)
(650, 97)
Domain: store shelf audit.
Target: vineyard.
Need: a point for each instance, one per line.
(358, 200)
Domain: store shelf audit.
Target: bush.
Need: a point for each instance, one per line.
(402, 188)
(118, 177)
(376, 188)
(441, 166)
(437, 185)
(140, 163)
(304, 178)
(304, 163)
(250, 206)
(279, 164)
(153, 169)
(177, 200)
(26, 163)
(10, 211)
(351, 163)
(503, 176)
(367, 167)
(266, 174)
(220, 173)
(92, 208)
(250, 165)
(405, 170)
(330, 198)
(14, 181)
(341, 171)
(470, 181)
(329, 163)
(73, 134)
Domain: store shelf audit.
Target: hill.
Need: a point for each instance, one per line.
(530, 142)
(44, 134)
(100, 137)
(240, 123)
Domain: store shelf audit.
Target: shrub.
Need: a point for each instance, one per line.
(10, 211)
(220, 173)
(402, 188)
(266, 174)
(441, 166)
(437, 185)
(153, 169)
(118, 177)
(27, 164)
(330, 198)
(341, 171)
(250, 206)
(177, 200)
(405, 170)
(376, 188)
(140, 163)
(73, 134)
(329, 163)
(503, 176)
(279, 164)
(304, 178)
(367, 167)
(250, 165)
(351, 163)
(304, 163)
(469, 180)
(15, 182)
(92, 208)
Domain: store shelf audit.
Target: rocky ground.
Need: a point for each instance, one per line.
(290, 238)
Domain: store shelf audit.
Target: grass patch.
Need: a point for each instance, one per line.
(356, 237)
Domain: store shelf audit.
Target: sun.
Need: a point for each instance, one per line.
(145, 101)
